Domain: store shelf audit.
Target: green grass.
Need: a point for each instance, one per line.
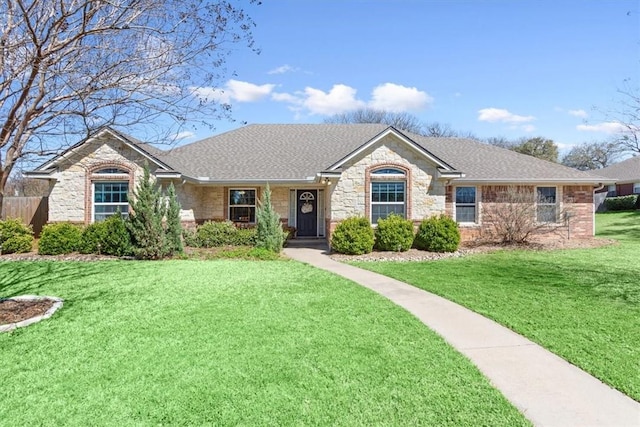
(228, 342)
(583, 305)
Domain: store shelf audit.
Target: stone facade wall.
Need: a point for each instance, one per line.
(70, 198)
(426, 196)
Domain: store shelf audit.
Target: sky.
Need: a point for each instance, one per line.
(494, 68)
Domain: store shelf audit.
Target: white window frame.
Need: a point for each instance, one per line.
(475, 205)
(387, 178)
(636, 188)
(125, 205)
(556, 204)
(254, 206)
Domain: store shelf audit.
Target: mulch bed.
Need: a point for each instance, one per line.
(13, 311)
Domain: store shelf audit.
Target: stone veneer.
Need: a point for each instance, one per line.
(425, 195)
(70, 198)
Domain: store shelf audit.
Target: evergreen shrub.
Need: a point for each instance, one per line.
(15, 236)
(353, 236)
(621, 203)
(394, 233)
(216, 233)
(59, 238)
(269, 232)
(438, 233)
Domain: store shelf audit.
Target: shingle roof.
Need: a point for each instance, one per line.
(298, 151)
(625, 171)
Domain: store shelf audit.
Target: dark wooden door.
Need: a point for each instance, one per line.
(307, 223)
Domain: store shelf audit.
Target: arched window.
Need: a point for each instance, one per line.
(111, 171)
(388, 193)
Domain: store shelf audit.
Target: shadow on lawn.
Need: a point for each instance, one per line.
(40, 278)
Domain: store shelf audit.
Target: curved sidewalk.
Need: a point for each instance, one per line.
(548, 390)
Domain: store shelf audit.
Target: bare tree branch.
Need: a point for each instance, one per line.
(70, 66)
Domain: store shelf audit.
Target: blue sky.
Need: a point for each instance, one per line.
(490, 67)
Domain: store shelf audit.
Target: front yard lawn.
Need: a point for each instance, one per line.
(228, 343)
(583, 305)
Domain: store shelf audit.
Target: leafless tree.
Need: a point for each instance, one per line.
(513, 214)
(402, 121)
(627, 115)
(70, 66)
(593, 155)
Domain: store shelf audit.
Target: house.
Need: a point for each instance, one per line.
(627, 176)
(319, 175)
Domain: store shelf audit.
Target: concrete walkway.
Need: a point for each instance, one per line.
(548, 390)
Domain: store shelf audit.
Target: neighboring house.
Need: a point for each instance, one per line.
(627, 177)
(319, 175)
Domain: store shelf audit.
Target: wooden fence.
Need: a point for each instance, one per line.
(31, 210)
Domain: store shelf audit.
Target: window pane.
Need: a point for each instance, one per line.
(546, 213)
(102, 212)
(388, 171)
(466, 195)
(242, 197)
(547, 194)
(383, 210)
(242, 214)
(465, 213)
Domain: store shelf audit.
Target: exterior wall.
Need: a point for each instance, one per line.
(574, 200)
(349, 196)
(70, 198)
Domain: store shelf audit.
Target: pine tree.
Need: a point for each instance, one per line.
(145, 222)
(174, 228)
(269, 233)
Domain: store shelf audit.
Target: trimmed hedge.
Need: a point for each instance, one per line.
(59, 238)
(621, 203)
(394, 233)
(15, 237)
(108, 237)
(353, 236)
(224, 233)
(438, 234)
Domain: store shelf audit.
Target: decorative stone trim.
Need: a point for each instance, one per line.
(57, 303)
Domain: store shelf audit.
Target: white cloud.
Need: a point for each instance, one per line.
(286, 68)
(339, 99)
(234, 90)
(182, 135)
(528, 128)
(605, 127)
(578, 113)
(494, 115)
(397, 98)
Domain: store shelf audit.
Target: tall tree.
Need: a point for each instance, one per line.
(402, 121)
(70, 66)
(627, 116)
(593, 155)
(539, 147)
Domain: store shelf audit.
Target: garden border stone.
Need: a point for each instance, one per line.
(57, 303)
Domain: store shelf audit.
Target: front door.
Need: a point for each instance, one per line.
(307, 216)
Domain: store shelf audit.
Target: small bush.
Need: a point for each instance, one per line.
(190, 238)
(59, 238)
(15, 237)
(438, 234)
(244, 237)
(18, 244)
(394, 233)
(216, 233)
(92, 238)
(353, 236)
(117, 240)
(621, 203)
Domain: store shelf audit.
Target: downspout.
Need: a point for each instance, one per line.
(593, 214)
